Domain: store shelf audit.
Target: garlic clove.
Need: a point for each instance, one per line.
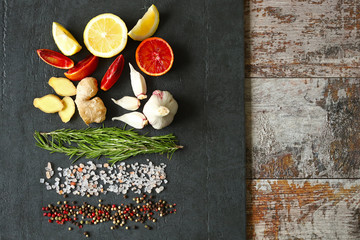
(160, 109)
(138, 83)
(128, 103)
(134, 119)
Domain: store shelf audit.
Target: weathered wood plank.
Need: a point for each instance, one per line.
(302, 38)
(303, 128)
(303, 209)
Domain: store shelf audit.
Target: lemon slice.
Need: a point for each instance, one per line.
(64, 40)
(147, 25)
(105, 35)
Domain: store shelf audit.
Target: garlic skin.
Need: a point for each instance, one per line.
(160, 109)
(128, 103)
(138, 83)
(134, 119)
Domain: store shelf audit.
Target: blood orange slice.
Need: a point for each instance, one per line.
(154, 56)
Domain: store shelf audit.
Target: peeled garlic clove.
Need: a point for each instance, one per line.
(134, 119)
(128, 103)
(138, 83)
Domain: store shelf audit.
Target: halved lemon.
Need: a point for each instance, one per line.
(105, 35)
(66, 43)
(147, 25)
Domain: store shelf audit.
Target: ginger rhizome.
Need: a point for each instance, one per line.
(90, 109)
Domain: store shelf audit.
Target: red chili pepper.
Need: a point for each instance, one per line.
(55, 59)
(49, 214)
(50, 221)
(83, 69)
(113, 73)
(44, 214)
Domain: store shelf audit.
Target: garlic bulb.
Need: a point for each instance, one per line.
(128, 103)
(138, 83)
(160, 109)
(134, 119)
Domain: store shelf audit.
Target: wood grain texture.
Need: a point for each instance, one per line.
(303, 128)
(302, 38)
(303, 209)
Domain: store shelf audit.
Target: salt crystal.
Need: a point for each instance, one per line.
(159, 189)
(42, 180)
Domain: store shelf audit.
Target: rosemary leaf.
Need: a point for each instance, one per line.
(114, 143)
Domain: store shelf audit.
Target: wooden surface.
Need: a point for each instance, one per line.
(303, 118)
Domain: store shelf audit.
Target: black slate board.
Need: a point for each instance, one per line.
(206, 178)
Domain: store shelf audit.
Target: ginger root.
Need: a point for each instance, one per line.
(62, 86)
(49, 103)
(90, 110)
(69, 109)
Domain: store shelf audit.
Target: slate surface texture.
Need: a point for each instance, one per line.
(206, 178)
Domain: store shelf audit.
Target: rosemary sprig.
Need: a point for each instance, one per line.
(114, 143)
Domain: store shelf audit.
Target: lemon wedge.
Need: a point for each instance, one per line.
(147, 25)
(64, 40)
(105, 35)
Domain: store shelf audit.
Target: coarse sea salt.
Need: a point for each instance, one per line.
(95, 179)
